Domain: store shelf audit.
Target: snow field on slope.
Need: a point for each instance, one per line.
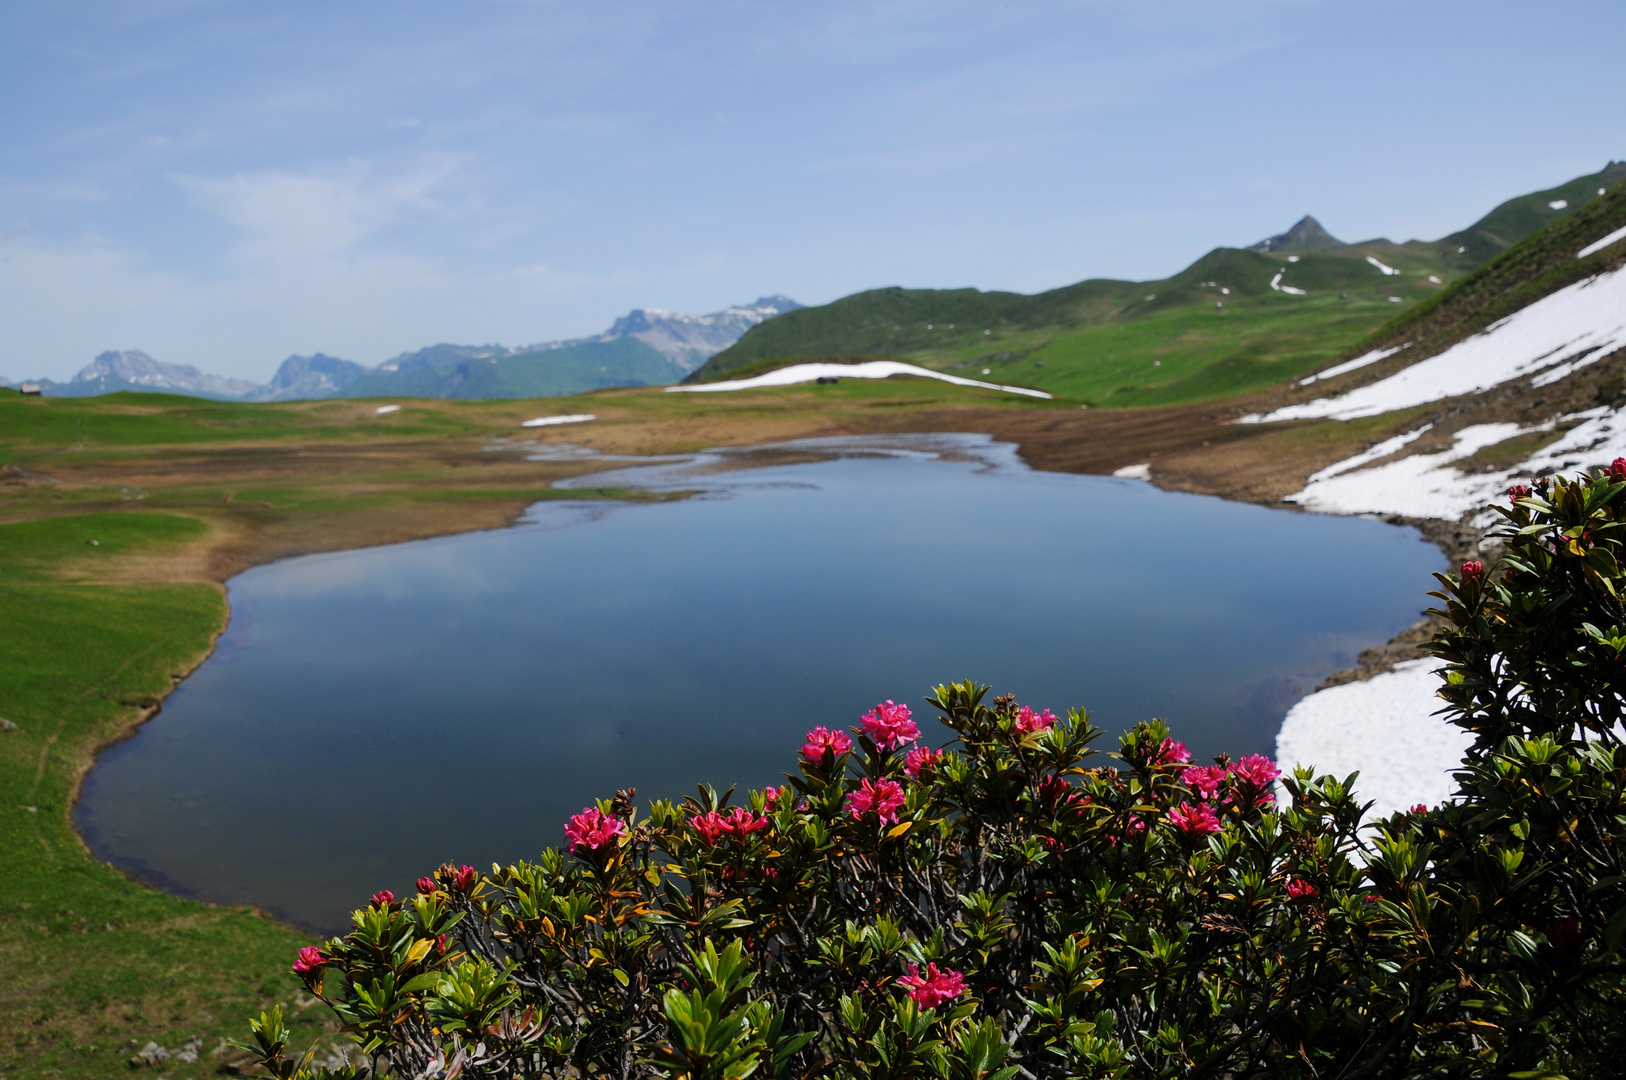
(874, 369)
(1383, 728)
(1578, 322)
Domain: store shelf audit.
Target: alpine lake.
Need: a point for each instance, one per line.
(368, 715)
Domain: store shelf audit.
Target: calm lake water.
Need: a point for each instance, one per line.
(371, 714)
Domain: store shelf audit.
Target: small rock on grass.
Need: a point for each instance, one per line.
(7, 725)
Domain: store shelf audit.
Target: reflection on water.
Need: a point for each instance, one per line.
(370, 714)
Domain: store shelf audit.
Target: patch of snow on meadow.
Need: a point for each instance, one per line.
(1388, 271)
(569, 418)
(1143, 471)
(1350, 365)
(1419, 486)
(1276, 283)
(1564, 326)
(1370, 454)
(1384, 728)
(385, 410)
(874, 369)
(1598, 245)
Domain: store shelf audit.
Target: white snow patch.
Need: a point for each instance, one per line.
(1370, 454)
(1292, 258)
(1394, 299)
(874, 369)
(1571, 323)
(1143, 471)
(1419, 486)
(1558, 204)
(1434, 279)
(1350, 365)
(1383, 727)
(383, 409)
(564, 418)
(1388, 271)
(1276, 283)
(1598, 245)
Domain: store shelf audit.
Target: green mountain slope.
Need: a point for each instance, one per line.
(450, 372)
(1518, 218)
(1217, 327)
(1234, 321)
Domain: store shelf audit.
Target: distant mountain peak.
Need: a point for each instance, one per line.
(1306, 235)
(691, 340)
(132, 369)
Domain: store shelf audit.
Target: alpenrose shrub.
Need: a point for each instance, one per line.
(1016, 903)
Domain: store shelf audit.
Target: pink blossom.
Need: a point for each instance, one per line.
(1194, 819)
(1617, 469)
(1473, 570)
(883, 798)
(888, 725)
(428, 886)
(1027, 721)
(383, 898)
(465, 878)
(1517, 492)
(710, 826)
(1051, 790)
(592, 829)
(1418, 808)
(1171, 752)
(1256, 769)
(770, 794)
(310, 959)
(1205, 780)
(933, 988)
(742, 823)
(921, 759)
(822, 740)
(1298, 887)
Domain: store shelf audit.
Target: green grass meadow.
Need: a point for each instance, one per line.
(94, 964)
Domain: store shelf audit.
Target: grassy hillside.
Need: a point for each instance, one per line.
(1216, 328)
(1518, 218)
(573, 369)
(1542, 263)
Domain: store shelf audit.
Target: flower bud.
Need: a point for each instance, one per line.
(1473, 570)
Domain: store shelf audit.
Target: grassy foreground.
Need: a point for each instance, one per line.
(96, 964)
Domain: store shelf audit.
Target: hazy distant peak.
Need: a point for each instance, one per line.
(308, 377)
(1306, 235)
(134, 369)
(690, 340)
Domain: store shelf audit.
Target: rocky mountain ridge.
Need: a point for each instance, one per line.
(668, 346)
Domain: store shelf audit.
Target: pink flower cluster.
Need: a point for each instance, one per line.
(465, 878)
(1027, 721)
(383, 898)
(1298, 888)
(888, 725)
(592, 829)
(1617, 469)
(921, 759)
(428, 886)
(821, 740)
(1517, 492)
(739, 822)
(933, 988)
(883, 798)
(1194, 819)
(310, 959)
(1256, 773)
(1473, 570)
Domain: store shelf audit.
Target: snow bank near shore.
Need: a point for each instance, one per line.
(1573, 326)
(1383, 728)
(874, 369)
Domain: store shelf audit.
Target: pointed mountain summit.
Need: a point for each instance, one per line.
(1307, 235)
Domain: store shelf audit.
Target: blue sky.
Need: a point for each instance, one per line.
(223, 183)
